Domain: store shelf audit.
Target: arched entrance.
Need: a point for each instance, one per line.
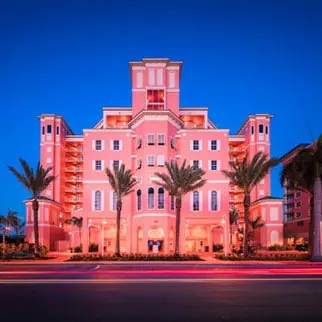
(156, 239)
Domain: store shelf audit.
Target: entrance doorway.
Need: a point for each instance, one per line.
(155, 239)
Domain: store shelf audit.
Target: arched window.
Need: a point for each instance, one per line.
(114, 201)
(214, 200)
(150, 198)
(139, 199)
(98, 200)
(195, 202)
(160, 198)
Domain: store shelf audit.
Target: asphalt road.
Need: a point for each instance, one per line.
(93, 292)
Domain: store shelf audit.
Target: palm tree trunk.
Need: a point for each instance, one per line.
(231, 235)
(317, 209)
(246, 224)
(311, 229)
(118, 224)
(80, 235)
(35, 208)
(178, 213)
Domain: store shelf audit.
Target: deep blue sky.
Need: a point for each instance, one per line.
(240, 57)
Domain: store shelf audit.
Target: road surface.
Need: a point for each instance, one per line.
(98, 292)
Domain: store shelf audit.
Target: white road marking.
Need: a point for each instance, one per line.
(150, 280)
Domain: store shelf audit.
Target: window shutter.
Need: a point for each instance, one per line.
(93, 200)
(191, 163)
(102, 200)
(103, 141)
(93, 145)
(200, 164)
(111, 165)
(103, 168)
(121, 144)
(191, 201)
(93, 164)
(200, 144)
(218, 165)
(218, 199)
(209, 164)
(209, 145)
(111, 144)
(191, 145)
(218, 145)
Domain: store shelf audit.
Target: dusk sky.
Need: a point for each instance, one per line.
(239, 57)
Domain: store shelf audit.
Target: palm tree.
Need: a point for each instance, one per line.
(246, 175)
(233, 220)
(255, 224)
(4, 225)
(178, 182)
(78, 222)
(304, 173)
(13, 219)
(122, 183)
(35, 181)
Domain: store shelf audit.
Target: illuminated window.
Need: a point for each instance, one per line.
(150, 198)
(155, 99)
(214, 201)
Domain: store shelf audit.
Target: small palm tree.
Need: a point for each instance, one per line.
(35, 182)
(122, 183)
(255, 224)
(246, 175)
(4, 223)
(178, 182)
(78, 222)
(13, 219)
(233, 220)
(304, 173)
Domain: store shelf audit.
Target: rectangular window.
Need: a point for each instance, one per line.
(114, 201)
(252, 130)
(195, 164)
(155, 99)
(151, 76)
(159, 77)
(266, 129)
(161, 139)
(298, 204)
(151, 139)
(298, 194)
(261, 128)
(160, 160)
(57, 130)
(213, 145)
(171, 202)
(298, 214)
(195, 145)
(116, 164)
(116, 145)
(98, 165)
(195, 198)
(43, 130)
(150, 160)
(98, 145)
(213, 165)
(49, 129)
(139, 79)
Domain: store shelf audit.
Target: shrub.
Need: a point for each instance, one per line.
(265, 257)
(278, 247)
(135, 257)
(302, 247)
(217, 247)
(43, 251)
(93, 248)
(77, 249)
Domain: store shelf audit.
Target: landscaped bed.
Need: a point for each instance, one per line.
(134, 257)
(265, 257)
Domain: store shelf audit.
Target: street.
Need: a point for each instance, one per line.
(99, 292)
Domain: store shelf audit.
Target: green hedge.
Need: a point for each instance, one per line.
(134, 257)
(265, 257)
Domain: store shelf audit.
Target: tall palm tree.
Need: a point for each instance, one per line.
(122, 183)
(233, 220)
(304, 173)
(35, 181)
(78, 222)
(246, 175)
(178, 182)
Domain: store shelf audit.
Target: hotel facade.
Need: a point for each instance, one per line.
(155, 129)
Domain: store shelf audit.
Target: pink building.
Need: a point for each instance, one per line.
(153, 130)
(296, 206)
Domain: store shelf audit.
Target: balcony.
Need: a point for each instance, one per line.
(236, 150)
